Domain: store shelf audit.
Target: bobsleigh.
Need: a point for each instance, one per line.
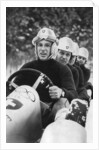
(23, 119)
(23, 111)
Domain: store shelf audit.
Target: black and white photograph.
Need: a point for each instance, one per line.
(48, 75)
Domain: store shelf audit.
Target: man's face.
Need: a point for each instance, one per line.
(44, 49)
(72, 60)
(81, 60)
(63, 56)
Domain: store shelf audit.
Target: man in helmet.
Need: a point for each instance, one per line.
(83, 55)
(64, 55)
(66, 50)
(80, 88)
(74, 53)
(82, 59)
(67, 53)
(61, 76)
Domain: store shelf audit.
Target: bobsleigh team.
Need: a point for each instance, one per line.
(65, 64)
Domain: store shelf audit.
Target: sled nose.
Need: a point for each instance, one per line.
(23, 116)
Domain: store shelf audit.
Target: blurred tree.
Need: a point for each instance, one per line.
(23, 23)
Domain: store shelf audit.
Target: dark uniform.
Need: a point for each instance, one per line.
(79, 107)
(81, 89)
(60, 75)
(75, 75)
(86, 73)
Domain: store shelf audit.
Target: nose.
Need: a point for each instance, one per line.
(64, 56)
(43, 48)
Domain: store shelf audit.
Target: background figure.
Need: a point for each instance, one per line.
(75, 48)
(78, 108)
(64, 55)
(82, 60)
(82, 92)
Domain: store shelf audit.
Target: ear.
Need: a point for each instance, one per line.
(35, 40)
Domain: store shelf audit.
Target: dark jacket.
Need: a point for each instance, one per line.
(86, 73)
(82, 92)
(75, 75)
(60, 75)
(81, 76)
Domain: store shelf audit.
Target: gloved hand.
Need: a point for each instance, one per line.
(55, 92)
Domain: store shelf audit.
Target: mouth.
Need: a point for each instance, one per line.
(80, 62)
(63, 61)
(43, 55)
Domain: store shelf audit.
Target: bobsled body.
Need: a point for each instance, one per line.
(23, 116)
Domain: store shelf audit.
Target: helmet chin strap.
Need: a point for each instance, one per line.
(50, 56)
(53, 52)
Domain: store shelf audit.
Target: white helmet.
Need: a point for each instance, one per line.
(66, 44)
(47, 34)
(83, 52)
(75, 49)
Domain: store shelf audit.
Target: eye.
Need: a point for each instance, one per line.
(68, 54)
(48, 45)
(39, 44)
(79, 57)
(83, 58)
(61, 52)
